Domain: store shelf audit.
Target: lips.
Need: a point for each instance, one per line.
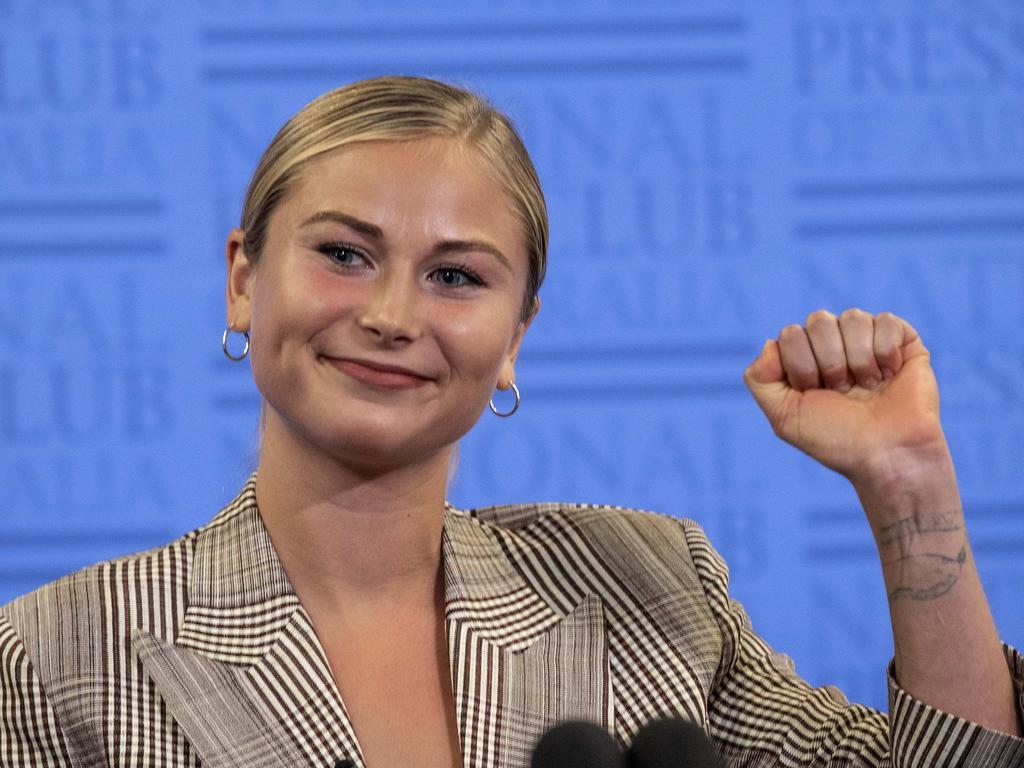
(378, 374)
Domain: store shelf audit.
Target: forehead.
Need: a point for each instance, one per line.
(432, 187)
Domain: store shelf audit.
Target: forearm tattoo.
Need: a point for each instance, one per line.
(924, 556)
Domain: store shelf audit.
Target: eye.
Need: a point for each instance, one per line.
(342, 253)
(456, 276)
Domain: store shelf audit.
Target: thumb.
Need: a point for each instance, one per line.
(765, 377)
(767, 366)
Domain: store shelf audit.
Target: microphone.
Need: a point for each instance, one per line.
(671, 743)
(575, 744)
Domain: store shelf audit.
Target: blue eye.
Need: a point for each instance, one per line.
(342, 254)
(456, 276)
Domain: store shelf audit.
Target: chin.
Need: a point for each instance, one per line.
(373, 439)
(370, 459)
(372, 449)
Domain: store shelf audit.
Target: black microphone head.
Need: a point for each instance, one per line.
(671, 743)
(577, 745)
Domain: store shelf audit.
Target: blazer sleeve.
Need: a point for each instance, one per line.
(763, 714)
(30, 734)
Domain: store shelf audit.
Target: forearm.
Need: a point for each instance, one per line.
(947, 651)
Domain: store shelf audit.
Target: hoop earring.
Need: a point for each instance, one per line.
(224, 345)
(515, 406)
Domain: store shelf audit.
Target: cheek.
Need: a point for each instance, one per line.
(293, 310)
(475, 343)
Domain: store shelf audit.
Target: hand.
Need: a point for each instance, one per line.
(856, 393)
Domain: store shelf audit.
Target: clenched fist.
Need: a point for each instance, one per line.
(855, 392)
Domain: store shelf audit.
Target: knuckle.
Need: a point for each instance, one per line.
(891, 363)
(834, 372)
(806, 379)
(862, 368)
(885, 342)
(889, 355)
(819, 316)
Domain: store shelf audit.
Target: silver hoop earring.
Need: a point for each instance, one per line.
(515, 406)
(224, 345)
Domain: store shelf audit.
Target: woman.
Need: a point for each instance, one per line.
(393, 239)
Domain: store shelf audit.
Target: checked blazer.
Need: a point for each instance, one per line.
(199, 653)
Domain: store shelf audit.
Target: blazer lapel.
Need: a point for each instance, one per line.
(246, 678)
(521, 660)
(249, 684)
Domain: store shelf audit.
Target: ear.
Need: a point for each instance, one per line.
(239, 283)
(508, 373)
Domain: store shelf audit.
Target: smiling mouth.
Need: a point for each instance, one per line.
(380, 377)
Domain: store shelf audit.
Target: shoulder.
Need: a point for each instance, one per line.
(635, 529)
(650, 553)
(146, 589)
(69, 650)
(514, 517)
(85, 611)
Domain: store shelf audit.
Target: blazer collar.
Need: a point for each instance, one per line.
(240, 596)
(247, 675)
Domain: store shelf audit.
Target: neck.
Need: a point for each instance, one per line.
(349, 537)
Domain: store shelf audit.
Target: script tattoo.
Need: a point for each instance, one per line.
(922, 558)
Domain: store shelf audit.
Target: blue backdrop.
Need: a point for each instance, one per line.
(715, 170)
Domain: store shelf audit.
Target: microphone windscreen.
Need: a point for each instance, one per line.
(671, 743)
(577, 745)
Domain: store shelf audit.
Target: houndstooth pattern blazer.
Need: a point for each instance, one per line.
(199, 653)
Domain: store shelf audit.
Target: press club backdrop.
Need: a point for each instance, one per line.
(715, 170)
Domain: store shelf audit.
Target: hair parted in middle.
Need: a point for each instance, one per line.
(401, 108)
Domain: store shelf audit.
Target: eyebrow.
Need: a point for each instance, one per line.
(364, 227)
(465, 246)
(375, 232)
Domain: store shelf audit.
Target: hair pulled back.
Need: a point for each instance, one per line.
(400, 108)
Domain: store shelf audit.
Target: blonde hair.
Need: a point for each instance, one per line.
(399, 108)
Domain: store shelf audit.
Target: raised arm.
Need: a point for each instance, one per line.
(857, 394)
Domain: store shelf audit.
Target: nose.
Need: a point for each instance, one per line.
(389, 313)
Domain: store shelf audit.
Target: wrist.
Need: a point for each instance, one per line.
(898, 476)
(916, 492)
(916, 517)
(892, 462)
